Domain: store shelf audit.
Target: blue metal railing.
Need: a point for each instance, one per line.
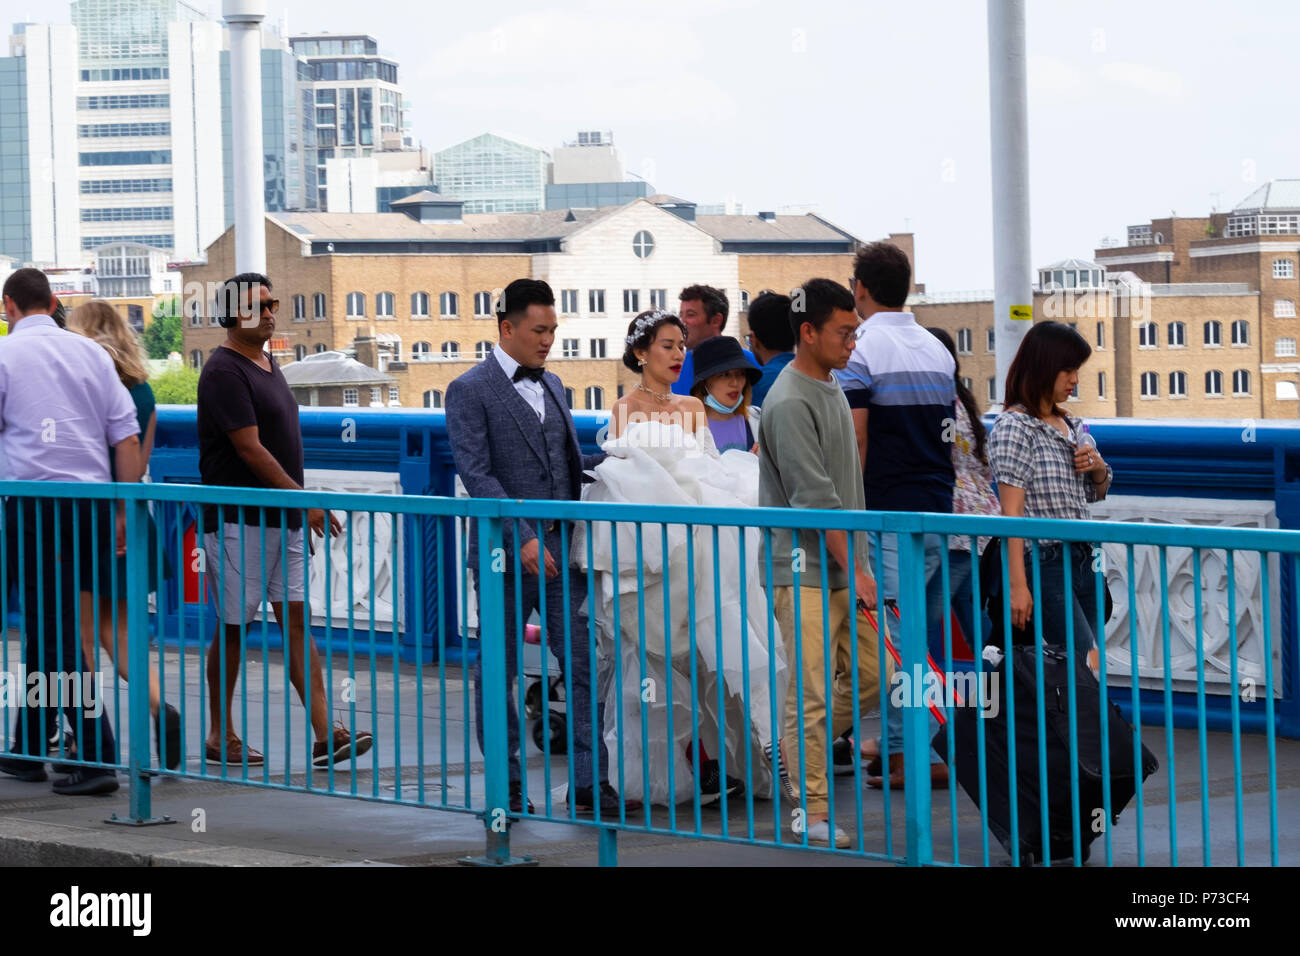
(710, 558)
(1154, 459)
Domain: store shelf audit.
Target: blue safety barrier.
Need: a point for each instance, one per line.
(752, 726)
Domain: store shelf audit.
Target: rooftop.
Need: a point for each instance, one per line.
(1072, 264)
(551, 224)
(1201, 288)
(1275, 194)
(331, 368)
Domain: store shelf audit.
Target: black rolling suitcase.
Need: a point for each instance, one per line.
(1056, 703)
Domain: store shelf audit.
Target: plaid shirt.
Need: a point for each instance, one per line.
(1026, 452)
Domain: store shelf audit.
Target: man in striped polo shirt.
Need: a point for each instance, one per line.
(899, 384)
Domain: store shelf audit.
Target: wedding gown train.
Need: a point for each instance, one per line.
(653, 463)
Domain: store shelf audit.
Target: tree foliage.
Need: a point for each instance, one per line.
(176, 386)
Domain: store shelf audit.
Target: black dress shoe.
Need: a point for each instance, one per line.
(27, 771)
(517, 799)
(85, 782)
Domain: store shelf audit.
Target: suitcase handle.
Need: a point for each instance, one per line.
(939, 715)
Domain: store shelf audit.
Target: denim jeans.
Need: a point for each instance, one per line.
(887, 590)
(959, 585)
(1053, 601)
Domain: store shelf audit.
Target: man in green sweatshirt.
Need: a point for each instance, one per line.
(809, 459)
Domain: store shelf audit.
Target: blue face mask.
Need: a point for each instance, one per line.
(717, 406)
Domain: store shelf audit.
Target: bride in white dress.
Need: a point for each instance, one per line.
(661, 452)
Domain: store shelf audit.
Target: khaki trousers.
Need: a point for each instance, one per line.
(806, 647)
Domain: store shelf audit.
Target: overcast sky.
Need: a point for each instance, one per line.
(875, 112)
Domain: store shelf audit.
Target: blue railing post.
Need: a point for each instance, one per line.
(137, 660)
(916, 718)
(492, 656)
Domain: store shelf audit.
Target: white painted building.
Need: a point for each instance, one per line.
(630, 259)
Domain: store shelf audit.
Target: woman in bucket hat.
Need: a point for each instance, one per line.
(724, 382)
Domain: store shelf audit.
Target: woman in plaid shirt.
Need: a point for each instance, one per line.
(1042, 471)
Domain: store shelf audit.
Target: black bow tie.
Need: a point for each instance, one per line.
(524, 371)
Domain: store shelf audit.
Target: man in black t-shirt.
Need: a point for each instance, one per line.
(249, 437)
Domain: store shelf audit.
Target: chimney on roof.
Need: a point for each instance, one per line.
(767, 216)
(367, 351)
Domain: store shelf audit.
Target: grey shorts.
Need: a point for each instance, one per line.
(241, 590)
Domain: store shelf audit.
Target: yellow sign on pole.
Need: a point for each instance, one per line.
(1022, 313)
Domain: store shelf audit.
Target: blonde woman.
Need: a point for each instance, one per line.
(98, 320)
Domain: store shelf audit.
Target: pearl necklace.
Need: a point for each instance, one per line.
(665, 398)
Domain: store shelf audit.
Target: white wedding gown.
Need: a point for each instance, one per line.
(653, 463)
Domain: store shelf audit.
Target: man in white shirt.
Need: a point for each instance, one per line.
(61, 406)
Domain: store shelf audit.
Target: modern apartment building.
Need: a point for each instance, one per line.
(148, 134)
(109, 131)
(358, 103)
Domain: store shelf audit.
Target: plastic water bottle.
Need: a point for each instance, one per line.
(1085, 438)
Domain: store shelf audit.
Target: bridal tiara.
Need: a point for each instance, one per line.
(646, 323)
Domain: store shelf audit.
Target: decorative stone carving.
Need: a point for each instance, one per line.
(1147, 638)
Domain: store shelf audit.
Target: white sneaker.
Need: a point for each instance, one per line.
(819, 834)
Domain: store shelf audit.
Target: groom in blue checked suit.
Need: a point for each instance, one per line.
(512, 436)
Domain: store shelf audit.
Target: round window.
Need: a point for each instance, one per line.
(643, 244)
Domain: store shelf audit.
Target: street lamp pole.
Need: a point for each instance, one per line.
(1013, 297)
(244, 20)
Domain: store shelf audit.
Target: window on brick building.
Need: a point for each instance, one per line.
(595, 398)
(1214, 383)
(1241, 382)
(1283, 309)
(569, 348)
(1150, 385)
(419, 305)
(1147, 335)
(1284, 348)
(1177, 384)
(1176, 335)
(1240, 332)
(963, 342)
(1213, 332)
(1283, 269)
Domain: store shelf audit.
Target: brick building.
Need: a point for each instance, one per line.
(1250, 254)
(1194, 318)
(423, 282)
